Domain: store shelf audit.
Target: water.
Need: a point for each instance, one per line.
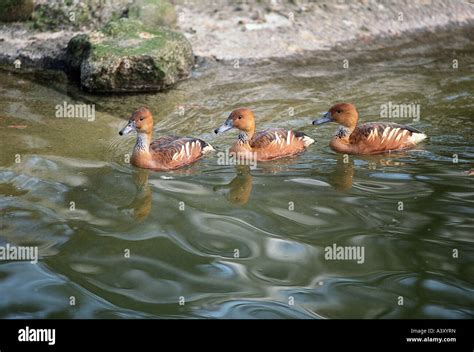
(238, 243)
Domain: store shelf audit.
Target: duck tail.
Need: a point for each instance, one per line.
(206, 147)
(418, 137)
(307, 140)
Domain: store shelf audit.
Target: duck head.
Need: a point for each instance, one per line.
(344, 114)
(140, 121)
(242, 119)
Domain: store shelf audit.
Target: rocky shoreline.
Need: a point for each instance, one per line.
(216, 30)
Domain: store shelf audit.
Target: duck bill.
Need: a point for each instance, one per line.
(326, 118)
(129, 127)
(227, 125)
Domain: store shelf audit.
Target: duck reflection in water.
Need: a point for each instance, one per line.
(140, 207)
(239, 189)
(342, 176)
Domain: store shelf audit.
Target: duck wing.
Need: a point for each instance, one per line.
(157, 143)
(376, 137)
(276, 143)
(277, 138)
(173, 152)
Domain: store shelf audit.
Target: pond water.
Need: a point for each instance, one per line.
(218, 241)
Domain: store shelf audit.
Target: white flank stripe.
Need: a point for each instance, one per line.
(187, 148)
(371, 135)
(390, 135)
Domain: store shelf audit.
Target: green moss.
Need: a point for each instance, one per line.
(117, 33)
(142, 47)
(123, 27)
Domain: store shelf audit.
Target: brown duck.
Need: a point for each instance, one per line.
(367, 138)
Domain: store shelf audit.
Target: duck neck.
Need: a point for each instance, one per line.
(352, 125)
(246, 136)
(345, 132)
(142, 144)
(243, 138)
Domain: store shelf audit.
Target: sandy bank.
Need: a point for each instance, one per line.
(225, 30)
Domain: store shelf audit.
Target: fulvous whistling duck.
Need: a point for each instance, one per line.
(367, 138)
(269, 144)
(165, 153)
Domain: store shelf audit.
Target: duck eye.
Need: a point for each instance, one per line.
(338, 111)
(240, 116)
(141, 118)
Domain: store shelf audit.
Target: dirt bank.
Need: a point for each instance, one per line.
(251, 30)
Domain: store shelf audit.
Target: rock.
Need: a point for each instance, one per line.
(15, 10)
(35, 50)
(76, 14)
(127, 56)
(153, 12)
(78, 50)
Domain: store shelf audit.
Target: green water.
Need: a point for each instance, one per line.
(237, 243)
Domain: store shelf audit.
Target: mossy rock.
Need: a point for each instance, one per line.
(153, 12)
(127, 56)
(15, 10)
(51, 15)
